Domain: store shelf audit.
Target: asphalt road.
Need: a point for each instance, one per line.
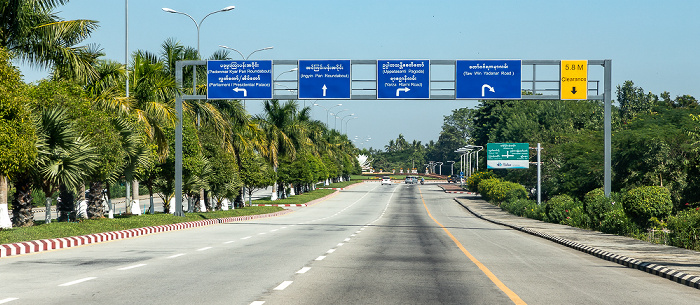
(371, 244)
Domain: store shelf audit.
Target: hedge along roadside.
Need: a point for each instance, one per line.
(634, 213)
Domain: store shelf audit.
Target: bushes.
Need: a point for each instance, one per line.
(685, 229)
(497, 191)
(597, 205)
(475, 179)
(565, 210)
(645, 202)
(617, 222)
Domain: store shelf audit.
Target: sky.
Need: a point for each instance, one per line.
(653, 43)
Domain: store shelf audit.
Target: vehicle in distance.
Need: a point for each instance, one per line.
(386, 180)
(453, 179)
(411, 180)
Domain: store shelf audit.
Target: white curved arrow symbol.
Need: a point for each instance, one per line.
(483, 88)
(406, 89)
(245, 92)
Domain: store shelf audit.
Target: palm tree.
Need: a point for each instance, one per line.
(284, 132)
(31, 30)
(65, 158)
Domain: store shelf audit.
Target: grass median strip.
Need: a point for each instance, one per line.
(120, 222)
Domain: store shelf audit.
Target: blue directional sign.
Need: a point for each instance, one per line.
(403, 79)
(239, 79)
(324, 79)
(488, 79)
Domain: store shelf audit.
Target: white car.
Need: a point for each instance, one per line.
(386, 180)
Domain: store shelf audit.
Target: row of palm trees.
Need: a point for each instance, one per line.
(88, 133)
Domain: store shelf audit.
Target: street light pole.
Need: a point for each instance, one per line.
(251, 53)
(328, 111)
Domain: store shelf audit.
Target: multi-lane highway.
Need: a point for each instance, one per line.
(371, 244)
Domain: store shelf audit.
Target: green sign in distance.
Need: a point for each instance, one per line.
(507, 155)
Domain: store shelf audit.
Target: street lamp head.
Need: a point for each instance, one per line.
(267, 48)
(169, 10)
(228, 8)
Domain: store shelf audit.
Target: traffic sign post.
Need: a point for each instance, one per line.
(324, 79)
(488, 79)
(507, 155)
(239, 79)
(403, 79)
(574, 80)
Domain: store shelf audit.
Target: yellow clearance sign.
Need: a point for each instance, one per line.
(574, 80)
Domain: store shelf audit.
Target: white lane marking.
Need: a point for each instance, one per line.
(320, 258)
(204, 249)
(284, 285)
(263, 233)
(176, 255)
(358, 232)
(131, 267)
(330, 251)
(246, 237)
(77, 281)
(283, 228)
(8, 300)
(353, 235)
(347, 239)
(258, 303)
(230, 241)
(340, 244)
(303, 270)
(275, 230)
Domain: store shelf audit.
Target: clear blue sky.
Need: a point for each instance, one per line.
(653, 43)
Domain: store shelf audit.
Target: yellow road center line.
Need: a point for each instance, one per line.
(513, 297)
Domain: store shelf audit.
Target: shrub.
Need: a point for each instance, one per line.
(523, 207)
(596, 205)
(685, 229)
(617, 222)
(476, 178)
(645, 202)
(496, 191)
(564, 209)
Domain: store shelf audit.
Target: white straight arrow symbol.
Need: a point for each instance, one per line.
(324, 89)
(245, 92)
(483, 93)
(406, 89)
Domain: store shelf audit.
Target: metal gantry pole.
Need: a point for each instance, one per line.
(607, 95)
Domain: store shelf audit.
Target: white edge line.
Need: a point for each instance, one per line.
(246, 237)
(340, 244)
(205, 248)
(131, 267)
(303, 270)
(77, 281)
(176, 255)
(258, 303)
(8, 300)
(284, 285)
(330, 251)
(231, 241)
(320, 258)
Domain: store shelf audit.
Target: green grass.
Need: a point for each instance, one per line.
(122, 222)
(297, 199)
(342, 184)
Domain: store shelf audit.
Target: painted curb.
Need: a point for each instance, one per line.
(33, 246)
(658, 270)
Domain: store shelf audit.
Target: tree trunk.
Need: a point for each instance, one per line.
(22, 203)
(110, 207)
(136, 205)
(202, 204)
(96, 209)
(5, 222)
(273, 197)
(47, 215)
(65, 203)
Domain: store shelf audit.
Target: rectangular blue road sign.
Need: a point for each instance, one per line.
(403, 79)
(239, 79)
(324, 79)
(488, 79)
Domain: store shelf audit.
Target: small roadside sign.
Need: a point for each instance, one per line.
(574, 80)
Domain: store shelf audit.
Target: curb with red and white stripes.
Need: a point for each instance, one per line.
(34, 246)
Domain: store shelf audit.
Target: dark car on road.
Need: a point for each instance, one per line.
(453, 179)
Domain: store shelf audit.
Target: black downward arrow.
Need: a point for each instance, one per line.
(573, 90)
